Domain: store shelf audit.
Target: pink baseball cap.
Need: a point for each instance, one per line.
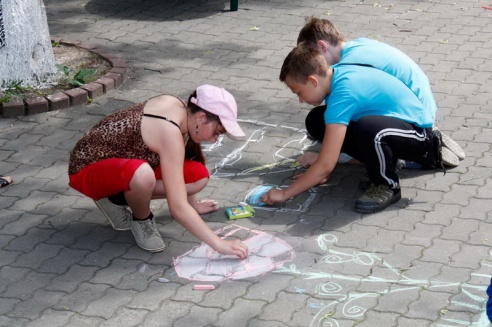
(218, 101)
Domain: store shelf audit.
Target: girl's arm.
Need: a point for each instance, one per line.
(166, 140)
(183, 212)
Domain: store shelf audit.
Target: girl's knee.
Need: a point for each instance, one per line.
(144, 177)
(193, 188)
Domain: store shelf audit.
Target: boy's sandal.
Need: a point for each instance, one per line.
(4, 182)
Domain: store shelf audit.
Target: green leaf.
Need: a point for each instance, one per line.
(76, 82)
(5, 98)
(83, 73)
(64, 69)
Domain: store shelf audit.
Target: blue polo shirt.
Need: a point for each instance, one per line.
(489, 301)
(394, 62)
(358, 91)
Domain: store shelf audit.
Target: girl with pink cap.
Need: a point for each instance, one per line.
(152, 151)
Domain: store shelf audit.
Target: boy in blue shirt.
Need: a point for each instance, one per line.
(488, 307)
(323, 35)
(370, 115)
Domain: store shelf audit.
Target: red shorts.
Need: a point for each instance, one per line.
(112, 176)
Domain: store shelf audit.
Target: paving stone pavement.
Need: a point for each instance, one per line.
(425, 261)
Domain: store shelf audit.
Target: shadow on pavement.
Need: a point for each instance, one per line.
(158, 10)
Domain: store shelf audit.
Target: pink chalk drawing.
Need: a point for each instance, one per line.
(266, 252)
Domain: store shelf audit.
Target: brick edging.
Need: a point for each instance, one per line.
(114, 78)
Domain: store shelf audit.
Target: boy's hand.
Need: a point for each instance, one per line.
(273, 196)
(233, 247)
(308, 159)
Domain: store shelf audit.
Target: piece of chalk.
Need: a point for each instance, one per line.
(253, 197)
(203, 287)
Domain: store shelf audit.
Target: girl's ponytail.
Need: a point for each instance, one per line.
(193, 151)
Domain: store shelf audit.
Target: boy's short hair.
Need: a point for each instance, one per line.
(302, 62)
(319, 29)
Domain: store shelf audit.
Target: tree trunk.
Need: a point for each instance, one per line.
(26, 54)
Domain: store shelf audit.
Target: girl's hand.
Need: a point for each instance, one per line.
(273, 196)
(205, 206)
(233, 247)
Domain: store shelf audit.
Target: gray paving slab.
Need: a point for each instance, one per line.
(425, 261)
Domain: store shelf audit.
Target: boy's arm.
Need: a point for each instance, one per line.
(320, 170)
(307, 159)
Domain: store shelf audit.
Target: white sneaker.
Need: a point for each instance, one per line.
(449, 143)
(118, 216)
(448, 158)
(147, 236)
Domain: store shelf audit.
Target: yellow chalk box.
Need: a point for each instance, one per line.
(242, 211)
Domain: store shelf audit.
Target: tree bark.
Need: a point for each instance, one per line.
(26, 54)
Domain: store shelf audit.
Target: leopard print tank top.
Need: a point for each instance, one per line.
(116, 136)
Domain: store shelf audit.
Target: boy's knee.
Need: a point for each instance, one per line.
(315, 123)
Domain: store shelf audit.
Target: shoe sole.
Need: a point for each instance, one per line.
(449, 143)
(105, 215)
(153, 250)
(448, 158)
(373, 209)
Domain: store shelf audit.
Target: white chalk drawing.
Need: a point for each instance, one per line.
(344, 304)
(231, 162)
(334, 300)
(227, 163)
(266, 252)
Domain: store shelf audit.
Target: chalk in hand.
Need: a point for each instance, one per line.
(254, 196)
(203, 287)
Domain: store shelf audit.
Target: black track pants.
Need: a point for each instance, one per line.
(378, 142)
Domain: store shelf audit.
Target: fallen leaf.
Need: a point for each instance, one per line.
(328, 315)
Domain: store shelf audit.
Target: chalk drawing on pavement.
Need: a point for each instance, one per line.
(229, 161)
(342, 303)
(266, 252)
(240, 159)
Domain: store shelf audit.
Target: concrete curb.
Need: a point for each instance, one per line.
(116, 77)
